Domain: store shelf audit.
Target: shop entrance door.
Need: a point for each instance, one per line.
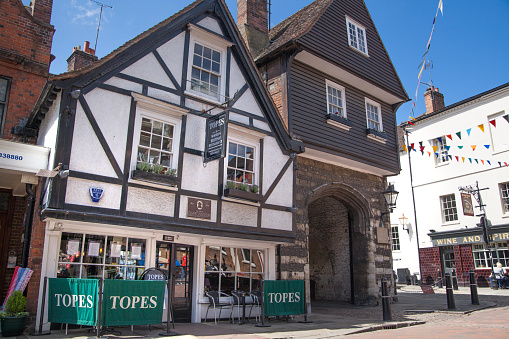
(177, 259)
(448, 259)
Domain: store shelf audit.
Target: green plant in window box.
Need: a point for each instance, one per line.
(254, 189)
(171, 172)
(157, 169)
(243, 187)
(231, 185)
(13, 318)
(143, 166)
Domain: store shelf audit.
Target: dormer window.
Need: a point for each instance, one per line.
(206, 70)
(356, 36)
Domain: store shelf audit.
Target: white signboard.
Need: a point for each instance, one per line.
(93, 248)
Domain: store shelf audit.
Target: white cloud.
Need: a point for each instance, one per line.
(84, 12)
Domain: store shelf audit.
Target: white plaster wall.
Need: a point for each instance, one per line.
(148, 68)
(239, 118)
(195, 132)
(77, 193)
(49, 129)
(172, 54)
(236, 78)
(199, 177)
(261, 125)
(273, 162)
(211, 24)
(151, 202)
(111, 112)
(278, 220)
(282, 194)
(87, 154)
(239, 214)
(248, 103)
(183, 210)
(121, 83)
(163, 95)
(190, 103)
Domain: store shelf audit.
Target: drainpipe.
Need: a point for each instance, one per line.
(29, 216)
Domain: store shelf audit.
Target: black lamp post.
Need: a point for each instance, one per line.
(390, 195)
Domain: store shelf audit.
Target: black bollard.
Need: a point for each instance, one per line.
(454, 280)
(473, 289)
(386, 304)
(450, 296)
(439, 279)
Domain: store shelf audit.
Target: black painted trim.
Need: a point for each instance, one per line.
(104, 212)
(238, 94)
(100, 136)
(147, 83)
(185, 61)
(167, 71)
(95, 177)
(228, 72)
(115, 89)
(220, 181)
(260, 184)
(152, 188)
(276, 207)
(201, 195)
(144, 90)
(183, 129)
(247, 114)
(193, 151)
(250, 127)
(277, 180)
(128, 155)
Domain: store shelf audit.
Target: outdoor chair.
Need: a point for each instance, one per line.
(215, 303)
(238, 302)
(256, 297)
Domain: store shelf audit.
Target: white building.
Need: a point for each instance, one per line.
(450, 147)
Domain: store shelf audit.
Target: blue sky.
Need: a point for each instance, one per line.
(469, 48)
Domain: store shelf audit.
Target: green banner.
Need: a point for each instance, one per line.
(132, 302)
(72, 301)
(283, 297)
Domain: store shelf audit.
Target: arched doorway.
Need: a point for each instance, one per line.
(329, 250)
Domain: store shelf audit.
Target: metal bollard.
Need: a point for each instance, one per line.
(386, 305)
(454, 280)
(473, 289)
(439, 279)
(451, 305)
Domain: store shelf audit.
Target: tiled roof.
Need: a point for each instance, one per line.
(295, 26)
(112, 55)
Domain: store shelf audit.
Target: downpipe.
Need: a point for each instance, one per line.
(29, 216)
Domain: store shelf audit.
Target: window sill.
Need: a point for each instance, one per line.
(359, 51)
(338, 121)
(238, 194)
(443, 163)
(155, 178)
(451, 223)
(376, 135)
(210, 100)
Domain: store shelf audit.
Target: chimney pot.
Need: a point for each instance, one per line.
(434, 100)
(81, 58)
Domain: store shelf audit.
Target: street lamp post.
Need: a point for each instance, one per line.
(390, 195)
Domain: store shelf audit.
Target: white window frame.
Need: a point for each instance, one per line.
(4, 103)
(442, 152)
(215, 42)
(340, 88)
(444, 217)
(481, 258)
(160, 111)
(395, 239)
(376, 104)
(359, 30)
(245, 142)
(504, 197)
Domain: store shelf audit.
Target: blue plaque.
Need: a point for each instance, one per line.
(96, 193)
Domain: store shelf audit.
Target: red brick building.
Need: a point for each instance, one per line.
(25, 45)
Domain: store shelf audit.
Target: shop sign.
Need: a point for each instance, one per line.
(18, 156)
(154, 274)
(215, 137)
(470, 239)
(132, 302)
(283, 297)
(466, 200)
(198, 208)
(168, 238)
(72, 301)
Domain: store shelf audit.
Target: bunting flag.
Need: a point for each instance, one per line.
(412, 146)
(476, 161)
(499, 164)
(468, 131)
(482, 162)
(450, 136)
(488, 162)
(436, 155)
(460, 147)
(447, 148)
(440, 140)
(435, 149)
(481, 127)
(470, 159)
(457, 158)
(463, 158)
(493, 122)
(459, 135)
(487, 146)
(506, 117)
(473, 147)
(405, 148)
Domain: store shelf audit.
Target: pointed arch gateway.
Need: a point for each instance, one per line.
(341, 254)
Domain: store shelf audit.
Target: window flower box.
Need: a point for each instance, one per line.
(239, 194)
(338, 121)
(376, 135)
(155, 177)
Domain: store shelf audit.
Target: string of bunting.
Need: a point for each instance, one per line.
(423, 62)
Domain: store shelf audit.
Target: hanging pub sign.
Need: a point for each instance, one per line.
(466, 200)
(215, 137)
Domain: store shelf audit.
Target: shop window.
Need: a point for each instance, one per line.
(395, 238)
(482, 256)
(4, 95)
(90, 256)
(449, 210)
(504, 195)
(230, 269)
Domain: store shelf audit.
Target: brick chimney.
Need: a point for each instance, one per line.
(41, 10)
(81, 58)
(252, 24)
(434, 100)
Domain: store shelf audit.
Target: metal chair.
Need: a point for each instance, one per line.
(256, 297)
(238, 301)
(215, 303)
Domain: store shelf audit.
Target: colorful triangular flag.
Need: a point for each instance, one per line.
(481, 127)
(493, 122)
(405, 148)
(449, 136)
(473, 147)
(482, 162)
(487, 146)
(457, 158)
(447, 148)
(439, 140)
(489, 162)
(435, 149)
(468, 131)
(459, 135)
(506, 117)
(463, 158)
(460, 147)
(470, 159)
(476, 161)
(429, 154)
